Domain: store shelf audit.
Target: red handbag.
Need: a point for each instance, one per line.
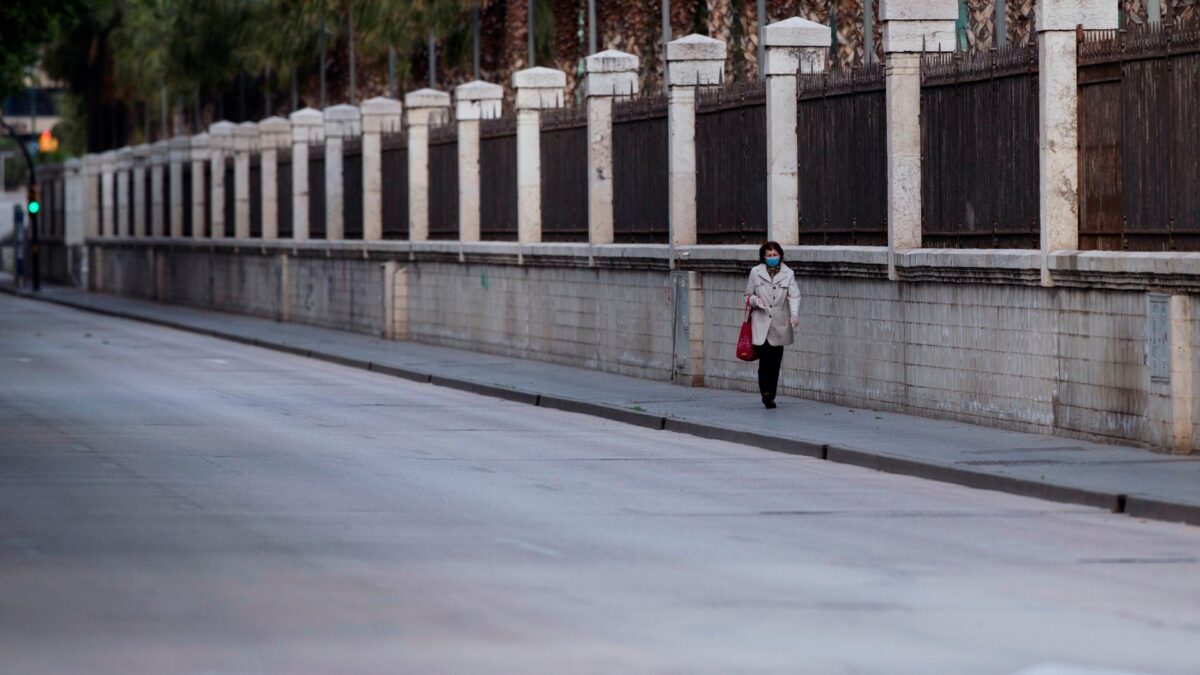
(745, 343)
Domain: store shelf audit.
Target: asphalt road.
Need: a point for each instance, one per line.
(171, 503)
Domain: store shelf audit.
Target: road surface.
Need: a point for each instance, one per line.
(172, 503)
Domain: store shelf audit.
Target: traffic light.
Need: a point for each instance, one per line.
(34, 205)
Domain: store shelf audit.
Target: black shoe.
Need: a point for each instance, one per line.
(770, 405)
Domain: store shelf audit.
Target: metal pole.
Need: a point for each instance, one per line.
(353, 82)
(32, 104)
(591, 19)
(762, 34)
(529, 23)
(321, 40)
(869, 31)
(666, 33)
(1001, 8)
(475, 38)
(391, 72)
(295, 89)
(432, 62)
(163, 110)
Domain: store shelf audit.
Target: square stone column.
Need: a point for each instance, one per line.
(1058, 117)
(245, 141)
(201, 155)
(74, 201)
(91, 196)
(537, 89)
(308, 127)
(108, 167)
(610, 74)
(221, 145)
(692, 61)
(158, 188)
(910, 28)
(473, 101)
(274, 134)
(179, 154)
(421, 108)
(141, 158)
(341, 122)
(123, 166)
(793, 46)
(380, 115)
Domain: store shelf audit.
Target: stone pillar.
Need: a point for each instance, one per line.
(610, 74)
(245, 141)
(910, 27)
(794, 46)
(220, 146)
(308, 126)
(91, 196)
(692, 61)
(537, 89)
(107, 210)
(74, 175)
(421, 106)
(180, 151)
(158, 163)
(201, 154)
(341, 122)
(1182, 374)
(123, 165)
(141, 157)
(1058, 121)
(274, 133)
(473, 101)
(380, 115)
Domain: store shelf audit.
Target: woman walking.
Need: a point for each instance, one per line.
(774, 300)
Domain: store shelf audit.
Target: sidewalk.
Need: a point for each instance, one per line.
(1122, 479)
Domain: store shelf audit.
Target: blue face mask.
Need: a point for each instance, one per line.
(772, 261)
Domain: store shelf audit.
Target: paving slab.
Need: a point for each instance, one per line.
(1120, 478)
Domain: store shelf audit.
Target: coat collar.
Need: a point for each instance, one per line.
(761, 270)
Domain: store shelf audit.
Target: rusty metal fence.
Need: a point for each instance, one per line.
(640, 172)
(316, 192)
(979, 148)
(498, 179)
(841, 133)
(1139, 139)
(394, 170)
(563, 151)
(283, 189)
(443, 182)
(256, 196)
(731, 164)
(352, 189)
(230, 199)
(187, 201)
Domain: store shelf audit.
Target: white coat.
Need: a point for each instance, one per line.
(773, 324)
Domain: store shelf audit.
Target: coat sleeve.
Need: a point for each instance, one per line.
(794, 297)
(749, 290)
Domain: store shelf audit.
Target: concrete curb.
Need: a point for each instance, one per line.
(1135, 506)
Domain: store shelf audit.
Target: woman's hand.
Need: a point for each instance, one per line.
(759, 302)
(795, 321)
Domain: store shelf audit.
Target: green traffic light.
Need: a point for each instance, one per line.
(34, 207)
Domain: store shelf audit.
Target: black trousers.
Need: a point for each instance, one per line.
(769, 358)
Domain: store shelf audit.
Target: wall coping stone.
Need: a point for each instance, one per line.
(274, 133)
(1065, 15)
(797, 32)
(427, 98)
(921, 10)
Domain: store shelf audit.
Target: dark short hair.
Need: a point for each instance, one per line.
(762, 251)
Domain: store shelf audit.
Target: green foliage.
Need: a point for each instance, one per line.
(24, 28)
